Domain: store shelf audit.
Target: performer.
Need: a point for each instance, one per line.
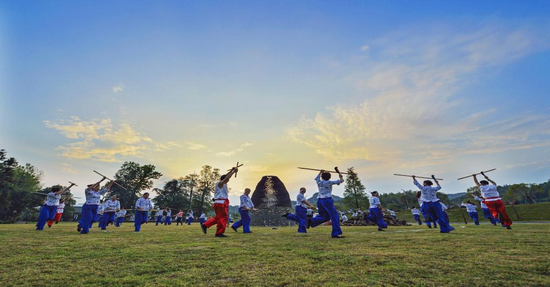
(375, 211)
(168, 218)
(110, 208)
(143, 206)
(221, 203)
(189, 217)
(301, 209)
(246, 205)
(89, 209)
(392, 214)
(486, 212)
(159, 215)
(492, 200)
(120, 217)
(179, 219)
(427, 217)
(472, 211)
(325, 204)
(431, 203)
(444, 208)
(416, 214)
(99, 215)
(202, 218)
(58, 213)
(48, 210)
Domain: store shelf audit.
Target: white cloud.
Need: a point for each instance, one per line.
(68, 168)
(195, 146)
(365, 48)
(234, 151)
(409, 112)
(118, 88)
(102, 140)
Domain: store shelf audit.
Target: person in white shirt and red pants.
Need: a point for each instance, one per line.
(58, 214)
(221, 203)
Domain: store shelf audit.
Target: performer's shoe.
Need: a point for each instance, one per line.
(338, 236)
(508, 227)
(78, 229)
(221, 235)
(429, 226)
(49, 226)
(204, 228)
(381, 229)
(234, 229)
(285, 215)
(308, 224)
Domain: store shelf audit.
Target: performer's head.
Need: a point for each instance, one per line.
(247, 191)
(302, 190)
(325, 175)
(484, 182)
(121, 208)
(428, 183)
(374, 193)
(418, 194)
(114, 197)
(56, 188)
(146, 195)
(61, 200)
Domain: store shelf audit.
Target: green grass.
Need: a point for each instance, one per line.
(526, 212)
(170, 255)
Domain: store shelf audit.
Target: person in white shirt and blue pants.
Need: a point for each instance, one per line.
(245, 207)
(301, 211)
(431, 204)
(325, 204)
(110, 208)
(89, 209)
(375, 211)
(48, 210)
(143, 206)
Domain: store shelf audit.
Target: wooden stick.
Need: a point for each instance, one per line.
(111, 180)
(326, 170)
(476, 174)
(73, 183)
(463, 217)
(416, 176)
(514, 208)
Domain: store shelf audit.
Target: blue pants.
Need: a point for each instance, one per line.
(202, 220)
(487, 214)
(417, 218)
(189, 220)
(119, 221)
(436, 213)
(159, 220)
(244, 222)
(300, 217)
(107, 218)
(474, 217)
(327, 212)
(89, 212)
(376, 216)
(47, 213)
(168, 220)
(427, 217)
(141, 218)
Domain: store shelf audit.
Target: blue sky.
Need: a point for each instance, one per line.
(387, 87)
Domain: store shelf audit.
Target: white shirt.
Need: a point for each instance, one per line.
(415, 211)
(168, 213)
(220, 194)
(60, 207)
(443, 206)
(100, 209)
(420, 202)
(355, 214)
(111, 205)
(144, 204)
(121, 213)
(309, 211)
(325, 186)
(52, 199)
(374, 201)
(344, 218)
(246, 202)
(93, 197)
(470, 207)
(190, 214)
(429, 193)
(392, 213)
(483, 205)
(300, 200)
(488, 191)
(160, 213)
(203, 216)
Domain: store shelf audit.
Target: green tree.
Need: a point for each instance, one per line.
(354, 191)
(172, 195)
(135, 178)
(523, 192)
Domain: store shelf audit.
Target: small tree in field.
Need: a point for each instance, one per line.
(355, 190)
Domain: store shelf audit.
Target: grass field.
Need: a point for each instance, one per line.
(170, 255)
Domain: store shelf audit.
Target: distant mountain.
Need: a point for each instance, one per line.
(313, 199)
(456, 195)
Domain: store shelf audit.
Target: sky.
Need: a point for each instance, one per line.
(423, 88)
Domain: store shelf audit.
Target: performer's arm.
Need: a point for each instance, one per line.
(487, 178)
(67, 189)
(318, 177)
(417, 183)
(227, 177)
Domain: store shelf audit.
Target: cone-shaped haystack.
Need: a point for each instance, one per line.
(272, 200)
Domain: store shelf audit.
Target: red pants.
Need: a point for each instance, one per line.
(221, 217)
(497, 207)
(56, 218)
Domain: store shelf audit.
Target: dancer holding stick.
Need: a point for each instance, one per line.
(89, 209)
(48, 210)
(301, 211)
(143, 206)
(325, 204)
(492, 200)
(431, 203)
(221, 203)
(245, 207)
